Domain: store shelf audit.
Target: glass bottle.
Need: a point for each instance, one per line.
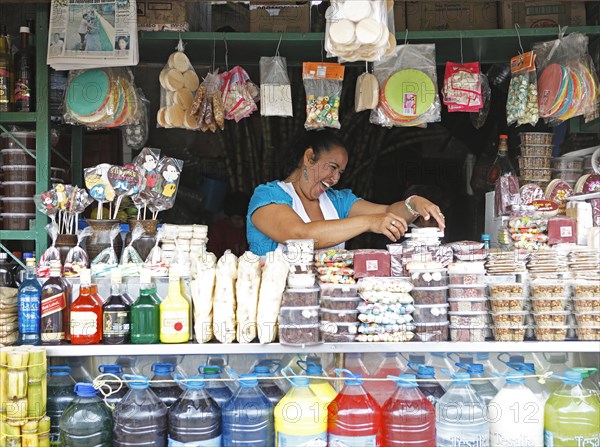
(174, 313)
(501, 165)
(86, 314)
(24, 75)
(19, 272)
(145, 313)
(6, 274)
(29, 304)
(6, 73)
(54, 302)
(116, 313)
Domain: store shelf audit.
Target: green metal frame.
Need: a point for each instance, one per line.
(40, 117)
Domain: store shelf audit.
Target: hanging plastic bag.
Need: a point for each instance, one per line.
(522, 102)
(147, 163)
(408, 93)
(208, 111)
(124, 181)
(275, 88)
(366, 94)
(107, 259)
(567, 81)
(323, 86)
(130, 254)
(50, 254)
(165, 191)
(462, 87)
(136, 134)
(77, 257)
(178, 82)
(239, 94)
(99, 188)
(479, 118)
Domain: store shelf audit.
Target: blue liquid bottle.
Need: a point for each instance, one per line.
(167, 391)
(60, 396)
(427, 384)
(217, 389)
(118, 390)
(29, 305)
(264, 372)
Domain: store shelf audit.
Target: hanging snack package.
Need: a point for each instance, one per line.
(208, 111)
(275, 88)
(408, 93)
(522, 102)
(178, 82)
(566, 77)
(359, 30)
(239, 94)
(50, 254)
(479, 118)
(323, 85)
(366, 94)
(77, 257)
(136, 134)
(462, 87)
(101, 98)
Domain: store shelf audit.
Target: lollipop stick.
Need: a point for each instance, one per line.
(99, 213)
(117, 206)
(76, 223)
(109, 209)
(145, 205)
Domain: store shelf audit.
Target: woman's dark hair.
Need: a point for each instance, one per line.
(321, 141)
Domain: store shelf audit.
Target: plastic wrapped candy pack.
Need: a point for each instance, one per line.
(239, 94)
(208, 111)
(522, 101)
(323, 85)
(462, 87)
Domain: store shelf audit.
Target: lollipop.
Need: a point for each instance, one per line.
(47, 204)
(147, 162)
(169, 170)
(124, 182)
(100, 189)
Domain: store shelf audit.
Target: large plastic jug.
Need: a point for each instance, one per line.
(265, 372)
(217, 389)
(354, 415)
(390, 365)
(461, 415)
(484, 387)
(588, 375)
(140, 419)
(516, 415)
(572, 415)
(195, 418)
(168, 391)
(441, 362)
(528, 369)
(558, 363)
(300, 417)
(408, 417)
(119, 390)
(321, 387)
(248, 416)
(427, 384)
(87, 422)
(60, 396)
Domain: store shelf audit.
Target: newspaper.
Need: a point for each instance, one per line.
(92, 33)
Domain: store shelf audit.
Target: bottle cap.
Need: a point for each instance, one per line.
(259, 370)
(461, 378)
(24, 29)
(136, 382)
(248, 380)
(59, 370)
(515, 378)
(163, 369)
(299, 381)
(27, 255)
(191, 382)
(110, 369)
(425, 372)
(505, 137)
(145, 276)
(115, 276)
(486, 237)
(314, 369)
(209, 370)
(30, 262)
(85, 389)
(405, 380)
(572, 378)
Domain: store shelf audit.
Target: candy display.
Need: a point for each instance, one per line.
(323, 86)
(462, 87)
(358, 30)
(558, 191)
(275, 88)
(165, 191)
(407, 87)
(522, 101)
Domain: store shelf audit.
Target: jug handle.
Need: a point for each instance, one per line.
(414, 366)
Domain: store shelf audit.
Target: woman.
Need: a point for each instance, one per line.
(304, 205)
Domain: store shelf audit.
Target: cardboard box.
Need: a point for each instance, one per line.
(158, 15)
(546, 14)
(429, 15)
(279, 17)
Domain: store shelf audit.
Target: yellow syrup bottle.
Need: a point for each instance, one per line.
(174, 312)
(321, 387)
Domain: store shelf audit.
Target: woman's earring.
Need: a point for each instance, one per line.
(305, 171)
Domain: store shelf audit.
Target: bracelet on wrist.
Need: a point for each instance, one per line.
(409, 207)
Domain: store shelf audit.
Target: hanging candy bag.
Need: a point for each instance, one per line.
(323, 85)
(239, 94)
(522, 101)
(208, 111)
(462, 87)
(366, 95)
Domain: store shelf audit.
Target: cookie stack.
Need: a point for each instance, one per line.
(547, 262)
(9, 320)
(506, 262)
(583, 263)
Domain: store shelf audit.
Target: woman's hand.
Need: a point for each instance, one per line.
(427, 210)
(388, 224)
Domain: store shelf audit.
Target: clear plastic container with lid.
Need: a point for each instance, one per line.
(431, 331)
(514, 318)
(588, 333)
(429, 295)
(18, 173)
(16, 157)
(19, 189)
(340, 303)
(429, 277)
(507, 290)
(331, 327)
(549, 304)
(339, 316)
(468, 291)
(468, 333)
(16, 221)
(466, 278)
(587, 319)
(300, 297)
(552, 318)
(468, 304)
(586, 304)
(339, 290)
(301, 280)
(299, 315)
(508, 304)
(431, 313)
(586, 289)
(551, 333)
(509, 333)
(24, 205)
(548, 289)
(299, 335)
(468, 318)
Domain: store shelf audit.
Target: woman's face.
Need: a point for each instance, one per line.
(324, 172)
(122, 44)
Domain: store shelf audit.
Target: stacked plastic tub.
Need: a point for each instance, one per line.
(469, 320)
(534, 163)
(299, 312)
(510, 310)
(430, 281)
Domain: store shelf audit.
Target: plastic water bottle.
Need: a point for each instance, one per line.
(485, 389)
(408, 417)
(119, 390)
(354, 415)
(195, 418)
(300, 417)
(516, 415)
(588, 382)
(571, 414)
(427, 384)
(217, 389)
(60, 396)
(168, 392)
(461, 416)
(140, 419)
(87, 421)
(321, 387)
(541, 391)
(29, 305)
(248, 416)
(390, 365)
(264, 372)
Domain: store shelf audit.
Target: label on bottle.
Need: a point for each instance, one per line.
(115, 323)
(215, 442)
(29, 313)
(471, 441)
(4, 86)
(22, 90)
(83, 323)
(53, 304)
(174, 322)
(289, 440)
(353, 441)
